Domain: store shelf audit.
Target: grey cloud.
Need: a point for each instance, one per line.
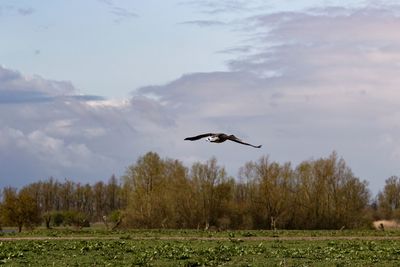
(123, 13)
(48, 129)
(107, 2)
(88, 97)
(23, 97)
(237, 50)
(17, 88)
(25, 11)
(152, 110)
(119, 12)
(208, 94)
(10, 96)
(346, 28)
(13, 80)
(315, 82)
(309, 83)
(204, 23)
(7, 75)
(226, 6)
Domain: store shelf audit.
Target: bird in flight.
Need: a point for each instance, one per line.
(219, 138)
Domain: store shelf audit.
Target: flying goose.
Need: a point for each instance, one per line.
(219, 138)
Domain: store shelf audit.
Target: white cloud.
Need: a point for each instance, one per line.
(307, 83)
(332, 84)
(64, 134)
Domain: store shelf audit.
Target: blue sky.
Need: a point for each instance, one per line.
(88, 86)
(111, 48)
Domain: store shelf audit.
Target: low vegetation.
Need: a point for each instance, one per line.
(87, 247)
(73, 224)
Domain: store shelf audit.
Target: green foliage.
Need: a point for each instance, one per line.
(57, 218)
(75, 218)
(115, 216)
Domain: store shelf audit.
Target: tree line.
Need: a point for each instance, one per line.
(164, 193)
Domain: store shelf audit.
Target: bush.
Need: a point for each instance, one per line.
(75, 218)
(57, 218)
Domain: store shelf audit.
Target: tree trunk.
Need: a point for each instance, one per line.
(48, 220)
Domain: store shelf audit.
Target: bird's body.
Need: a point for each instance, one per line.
(219, 138)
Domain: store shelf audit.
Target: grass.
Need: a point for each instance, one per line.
(200, 248)
(99, 231)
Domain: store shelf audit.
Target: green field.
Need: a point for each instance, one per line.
(200, 248)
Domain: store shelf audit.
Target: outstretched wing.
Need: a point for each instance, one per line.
(197, 137)
(237, 140)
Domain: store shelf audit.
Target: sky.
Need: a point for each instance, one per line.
(87, 87)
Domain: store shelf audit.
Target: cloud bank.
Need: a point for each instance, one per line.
(307, 83)
(48, 129)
